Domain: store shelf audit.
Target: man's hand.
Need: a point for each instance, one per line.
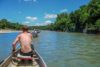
(15, 42)
(13, 51)
(14, 48)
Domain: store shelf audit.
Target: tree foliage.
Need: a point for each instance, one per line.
(87, 16)
(5, 24)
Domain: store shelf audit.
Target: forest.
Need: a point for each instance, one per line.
(5, 24)
(84, 19)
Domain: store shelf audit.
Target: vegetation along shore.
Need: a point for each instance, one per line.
(85, 19)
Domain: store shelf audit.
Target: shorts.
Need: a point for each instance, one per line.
(26, 54)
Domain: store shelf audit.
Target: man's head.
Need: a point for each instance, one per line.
(25, 28)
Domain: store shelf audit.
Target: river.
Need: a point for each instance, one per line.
(60, 49)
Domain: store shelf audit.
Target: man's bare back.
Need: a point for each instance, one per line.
(25, 40)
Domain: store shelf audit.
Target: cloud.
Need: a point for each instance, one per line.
(44, 23)
(50, 16)
(30, 18)
(64, 10)
(47, 22)
(30, 0)
(37, 24)
(26, 22)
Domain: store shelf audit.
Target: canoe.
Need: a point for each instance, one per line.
(35, 61)
(35, 33)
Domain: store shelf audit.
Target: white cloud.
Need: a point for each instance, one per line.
(47, 22)
(64, 10)
(26, 22)
(30, 18)
(37, 24)
(30, 0)
(50, 16)
(44, 23)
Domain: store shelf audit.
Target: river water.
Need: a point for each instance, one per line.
(60, 49)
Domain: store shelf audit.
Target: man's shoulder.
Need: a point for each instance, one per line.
(20, 34)
(30, 33)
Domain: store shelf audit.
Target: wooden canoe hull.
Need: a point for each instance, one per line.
(8, 61)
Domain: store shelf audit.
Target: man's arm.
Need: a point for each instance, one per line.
(15, 42)
(32, 40)
(31, 36)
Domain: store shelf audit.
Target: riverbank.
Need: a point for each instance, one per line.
(11, 31)
(8, 31)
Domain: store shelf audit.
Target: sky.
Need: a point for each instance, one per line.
(37, 12)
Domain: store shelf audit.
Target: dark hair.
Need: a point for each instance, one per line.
(25, 28)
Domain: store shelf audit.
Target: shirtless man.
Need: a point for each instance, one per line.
(25, 40)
